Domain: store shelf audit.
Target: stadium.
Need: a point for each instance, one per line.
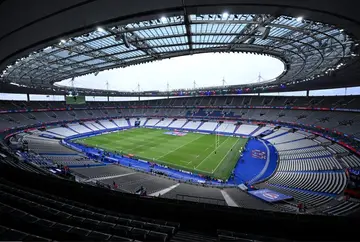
(171, 158)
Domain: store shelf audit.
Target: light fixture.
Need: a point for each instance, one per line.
(163, 19)
(63, 41)
(299, 19)
(225, 15)
(100, 29)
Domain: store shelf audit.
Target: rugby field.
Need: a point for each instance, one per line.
(193, 152)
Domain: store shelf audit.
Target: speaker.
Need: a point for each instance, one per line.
(124, 38)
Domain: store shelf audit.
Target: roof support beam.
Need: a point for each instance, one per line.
(188, 31)
(135, 40)
(187, 23)
(251, 29)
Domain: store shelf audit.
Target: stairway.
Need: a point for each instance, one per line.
(192, 237)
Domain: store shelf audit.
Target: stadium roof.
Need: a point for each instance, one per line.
(309, 47)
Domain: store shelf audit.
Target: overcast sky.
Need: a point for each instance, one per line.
(181, 72)
(205, 69)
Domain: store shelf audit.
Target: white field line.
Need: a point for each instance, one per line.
(211, 152)
(224, 157)
(158, 158)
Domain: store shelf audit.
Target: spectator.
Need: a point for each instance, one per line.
(300, 207)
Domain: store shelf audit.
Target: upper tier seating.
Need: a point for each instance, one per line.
(62, 131)
(164, 123)
(303, 153)
(178, 124)
(337, 149)
(246, 129)
(352, 161)
(121, 122)
(304, 143)
(208, 126)
(226, 127)
(322, 140)
(276, 133)
(152, 122)
(261, 130)
(287, 137)
(79, 128)
(192, 125)
(107, 124)
(92, 126)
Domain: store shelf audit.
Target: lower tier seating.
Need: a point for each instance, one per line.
(193, 193)
(309, 199)
(60, 219)
(342, 208)
(328, 182)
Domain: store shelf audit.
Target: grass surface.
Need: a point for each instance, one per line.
(192, 152)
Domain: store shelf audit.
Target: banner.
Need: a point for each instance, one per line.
(269, 195)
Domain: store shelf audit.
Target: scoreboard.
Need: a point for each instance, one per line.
(75, 100)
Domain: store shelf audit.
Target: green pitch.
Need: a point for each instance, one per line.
(198, 153)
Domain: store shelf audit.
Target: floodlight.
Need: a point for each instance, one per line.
(299, 19)
(100, 29)
(63, 41)
(163, 19)
(225, 15)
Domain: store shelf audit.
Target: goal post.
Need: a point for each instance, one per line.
(217, 140)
